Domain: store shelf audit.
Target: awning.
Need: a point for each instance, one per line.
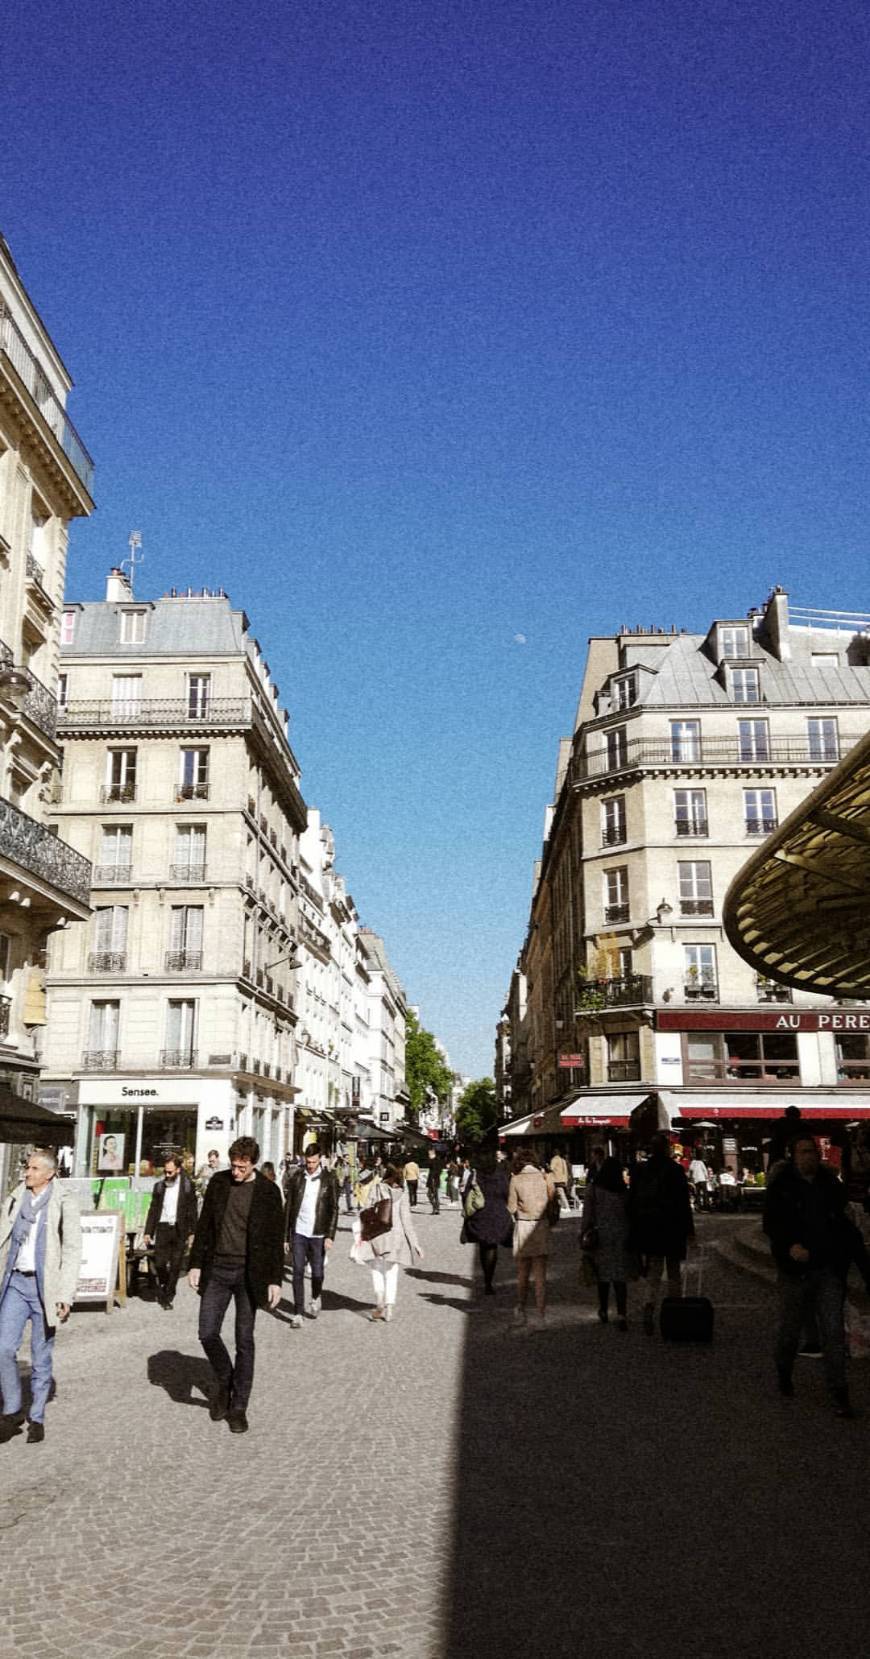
(546, 1122)
(591, 1110)
(838, 1108)
(22, 1121)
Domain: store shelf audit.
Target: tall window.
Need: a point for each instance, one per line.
(823, 739)
(116, 850)
(617, 748)
(109, 954)
(189, 864)
(626, 691)
(623, 1057)
(616, 901)
(690, 811)
(759, 811)
(193, 779)
(62, 690)
(67, 627)
(126, 695)
(685, 740)
(613, 821)
(132, 627)
(696, 888)
(699, 972)
(734, 641)
(745, 685)
(102, 1051)
(185, 941)
(753, 740)
(180, 1047)
(121, 775)
(198, 695)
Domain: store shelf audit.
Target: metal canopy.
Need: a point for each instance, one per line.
(799, 910)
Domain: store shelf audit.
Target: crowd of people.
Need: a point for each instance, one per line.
(244, 1230)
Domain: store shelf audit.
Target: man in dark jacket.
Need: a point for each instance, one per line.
(814, 1243)
(433, 1181)
(660, 1216)
(312, 1219)
(237, 1256)
(170, 1226)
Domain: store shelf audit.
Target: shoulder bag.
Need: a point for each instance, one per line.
(377, 1219)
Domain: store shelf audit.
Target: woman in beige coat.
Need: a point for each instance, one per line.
(390, 1251)
(530, 1192)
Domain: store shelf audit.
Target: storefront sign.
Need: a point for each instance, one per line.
(214, 1123)
(571, 1060)
(98, 1273)
(768, 1019)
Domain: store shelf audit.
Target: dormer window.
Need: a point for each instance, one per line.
(625, 691)
(132, 627)
(745, 684)
(67, 627)
(733, 640)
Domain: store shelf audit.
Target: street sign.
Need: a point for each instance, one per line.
(570, 1060)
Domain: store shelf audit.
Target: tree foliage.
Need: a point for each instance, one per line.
(425, 1071)
(477, 1111)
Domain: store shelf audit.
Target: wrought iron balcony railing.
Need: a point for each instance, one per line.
(31, 845)
(664, 754)
(613, 835)
(616, 913)
(40, 705)
(181, 961)
(112, 875)
(630, 990)
(13, 343)
(107, 962)
(105, 713)
(190, 874)
(623, 1071)
(760, 826)
(701, 990)
(767, 990)
(192, 792)
(5, 1009)
(177, 1059)
(692, 827)
(100, 1059)
(696, 907)
(118, 792)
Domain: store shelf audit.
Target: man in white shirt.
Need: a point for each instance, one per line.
(311, 1223)
(170, 1227)
(699, 1178)
(40, 1252)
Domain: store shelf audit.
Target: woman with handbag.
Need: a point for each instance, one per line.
(488, 1222)
(604, 1234)
(392, 1242)
(532, 1201)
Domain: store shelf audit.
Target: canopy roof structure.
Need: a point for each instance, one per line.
(799, 910)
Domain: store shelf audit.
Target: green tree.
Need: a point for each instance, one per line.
(477, 1111)
(425, 1071)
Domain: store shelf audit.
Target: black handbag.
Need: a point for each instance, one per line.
(376, 1220)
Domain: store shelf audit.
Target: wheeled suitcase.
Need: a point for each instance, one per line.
(688, 1318)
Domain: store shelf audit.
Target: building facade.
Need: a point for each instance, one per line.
(384, 1096)
(687, 752)
(173, 1011)
(46, 478)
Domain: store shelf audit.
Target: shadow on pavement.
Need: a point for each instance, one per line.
(438, 1278)
(616, 1496)
(180, 1374)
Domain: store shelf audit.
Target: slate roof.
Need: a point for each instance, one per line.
(187, 627)
(688, 676)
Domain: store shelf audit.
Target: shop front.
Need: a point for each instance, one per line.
(128, 1126)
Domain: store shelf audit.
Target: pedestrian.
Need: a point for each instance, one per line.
(604, 1233)
(530, 1194)
(391, 1250)
(411, 1173)
(596, 1159)
(312, 1220)
(454, 1171)
(779, 1145)
(559, 1172)
(268, 1170)
(170, 1226)
(814, 1242)
(237, 1256)
(491, 1226)
(433, 1181)
(660, 1213)
(698, 1175)
(40, 1253)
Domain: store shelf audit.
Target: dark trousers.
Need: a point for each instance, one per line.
(818, 1295)
(168, 1256)
(226, 1285)
(412, 1193)
(489, 1261)
(432, 1191)
(347, 1189)
(621, 1290)
(306, 1250)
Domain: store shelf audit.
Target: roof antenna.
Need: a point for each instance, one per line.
(134, 543)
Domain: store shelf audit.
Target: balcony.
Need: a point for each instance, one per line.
(183, 961)
(192, 792)
(13, 343)
(39, 705)
(707, 753)
(696, 907)
(767, 990)
(100, 1059)
(704, 988)
(615, 913)
(760, 826)
(613, 835)
(192, 875)
(694, 827)
(104, 714)
(111, 875)
(25, 842)
(629, 991)
(117, 792)
(5, 1007)
(107, 962)
(177, 1059)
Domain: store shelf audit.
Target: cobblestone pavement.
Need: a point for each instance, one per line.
(440, 1487)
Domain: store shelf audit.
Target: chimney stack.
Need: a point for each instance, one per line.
(118, 589)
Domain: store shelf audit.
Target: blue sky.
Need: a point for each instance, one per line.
(444, 335)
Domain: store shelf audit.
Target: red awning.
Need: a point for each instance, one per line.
(576, 1120)
(769, 1113)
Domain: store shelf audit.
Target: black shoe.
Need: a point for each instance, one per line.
(237, 1420)
(35, 1433)
(784, 1382)
(10, 1425)
(842, 1403)
(603, 1315)
(220, 1403)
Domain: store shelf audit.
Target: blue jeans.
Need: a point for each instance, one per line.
(226, 1285)
(819, 1294)
(306, 1250)
(21, 1301)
